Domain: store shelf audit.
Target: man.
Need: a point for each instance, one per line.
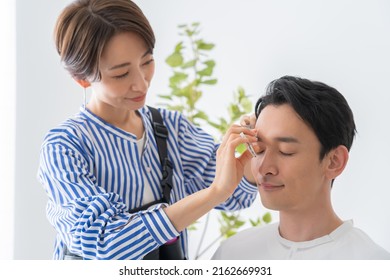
(305, 130)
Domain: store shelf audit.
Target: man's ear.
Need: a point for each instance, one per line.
(336, 161)
(83, 83)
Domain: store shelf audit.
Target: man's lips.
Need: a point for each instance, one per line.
(270, 187)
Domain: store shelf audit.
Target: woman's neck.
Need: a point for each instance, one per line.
(127, 120)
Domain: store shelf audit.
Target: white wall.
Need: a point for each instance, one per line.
(342, 43)
(7, 126)
(45, 96)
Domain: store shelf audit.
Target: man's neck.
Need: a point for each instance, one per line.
(300, 227)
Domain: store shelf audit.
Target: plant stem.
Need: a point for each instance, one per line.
(208, 247)
(203, 235)
(214, 241)
(196, 58)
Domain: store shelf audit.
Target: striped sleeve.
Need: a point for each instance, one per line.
(92, 222)
(198, 154)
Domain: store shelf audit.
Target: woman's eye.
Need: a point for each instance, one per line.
(148, 62)
(121, 76)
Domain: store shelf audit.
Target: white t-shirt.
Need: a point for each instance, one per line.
(148, 194)
(344, 243)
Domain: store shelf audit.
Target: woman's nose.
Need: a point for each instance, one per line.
(138, 81)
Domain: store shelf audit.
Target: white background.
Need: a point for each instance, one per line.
(342, 43)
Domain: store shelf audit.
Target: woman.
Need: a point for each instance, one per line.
(102, 166)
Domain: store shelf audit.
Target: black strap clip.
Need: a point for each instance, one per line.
(160, 130)
(166, 181)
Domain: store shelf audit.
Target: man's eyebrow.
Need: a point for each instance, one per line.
(284, 139)
(287, 139)
(149, 51)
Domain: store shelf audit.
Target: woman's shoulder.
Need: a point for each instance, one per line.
(67, 129)
(167, 115)
(175, 121)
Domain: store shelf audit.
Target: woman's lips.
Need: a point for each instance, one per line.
(138, 99)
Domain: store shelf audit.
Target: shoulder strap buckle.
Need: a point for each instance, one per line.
(160, 130)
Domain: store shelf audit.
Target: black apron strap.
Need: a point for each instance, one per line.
(161, 135)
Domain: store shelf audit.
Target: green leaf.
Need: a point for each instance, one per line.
(184, 92)
(231, 217)
(192, 227)
(215, 125)
(201, 115)
(222, 126)
(168, 97)
(230, 233)
(190, 32)
(255, 223)
(234, 110)
(267, 218)
(247, 105)
(177, 78)
(203, 45)
(240, 93)
(179, 46)
(224, 216)
(205, 71)
(239, 224)
(175, 59)
(209, 82)
(189, 64)
(209, 63)
(197, 94)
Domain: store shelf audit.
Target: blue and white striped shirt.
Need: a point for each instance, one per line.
(93, 175)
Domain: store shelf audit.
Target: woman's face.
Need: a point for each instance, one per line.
(126, 68)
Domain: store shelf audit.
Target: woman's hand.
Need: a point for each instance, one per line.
(248, 121)
(230, 169)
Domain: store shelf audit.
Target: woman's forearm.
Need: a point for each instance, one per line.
(184, 212)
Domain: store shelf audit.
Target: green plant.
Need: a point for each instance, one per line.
(189, 75)
(192, 71)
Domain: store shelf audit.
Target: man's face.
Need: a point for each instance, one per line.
(287, 169)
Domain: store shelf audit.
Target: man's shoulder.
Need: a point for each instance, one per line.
(257, 232)
(359, 244)
(247, 243)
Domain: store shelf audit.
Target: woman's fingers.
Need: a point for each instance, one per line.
(230, 167)
(248, 121)
(234, 132)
